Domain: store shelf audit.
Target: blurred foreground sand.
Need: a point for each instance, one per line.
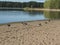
(32, 33)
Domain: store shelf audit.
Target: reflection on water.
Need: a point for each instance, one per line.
(33, 13)
(17, 16)
(52, 15)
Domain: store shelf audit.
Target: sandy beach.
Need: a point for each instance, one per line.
(31, 33)
(40, 9)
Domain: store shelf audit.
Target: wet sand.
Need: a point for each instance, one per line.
(31, 33)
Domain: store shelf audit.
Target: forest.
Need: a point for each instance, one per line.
(30, 4)
(52, 4)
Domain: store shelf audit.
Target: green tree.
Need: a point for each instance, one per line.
(53, 4)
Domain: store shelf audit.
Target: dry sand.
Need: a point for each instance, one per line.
(32, 33)
(40, 9)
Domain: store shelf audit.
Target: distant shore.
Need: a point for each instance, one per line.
(40, 9)
(30, 9)
(5, 8)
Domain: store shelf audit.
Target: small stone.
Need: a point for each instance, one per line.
(40, 24)
(9, 25)
(45, 22)
(49, 20)
(24, 23)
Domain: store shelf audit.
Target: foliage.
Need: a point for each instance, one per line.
(32, 4)
(52, 4)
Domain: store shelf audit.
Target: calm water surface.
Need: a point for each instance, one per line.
(18, 16)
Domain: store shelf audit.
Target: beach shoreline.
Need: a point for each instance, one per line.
(45, 32)
(23, 21)
(40, 9)
(30, 9)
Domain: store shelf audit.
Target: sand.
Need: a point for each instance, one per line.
(40, 9)
(32, 33)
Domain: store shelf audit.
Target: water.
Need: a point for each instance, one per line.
(23, 0)
(18, 16)
(52, 14)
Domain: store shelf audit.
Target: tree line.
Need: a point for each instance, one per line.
(52, 4)
(31, 4)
